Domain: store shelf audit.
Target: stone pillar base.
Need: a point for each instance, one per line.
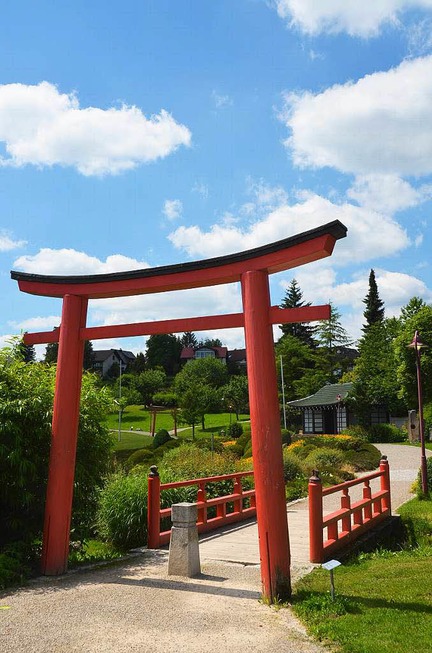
(184, 559)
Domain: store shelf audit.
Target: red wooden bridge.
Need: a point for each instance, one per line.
(357, 507)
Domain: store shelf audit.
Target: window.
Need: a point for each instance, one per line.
(313, 421)
(205, 353)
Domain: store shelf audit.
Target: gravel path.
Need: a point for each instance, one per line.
(136, 607)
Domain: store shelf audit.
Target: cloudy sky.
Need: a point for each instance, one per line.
(146, 133)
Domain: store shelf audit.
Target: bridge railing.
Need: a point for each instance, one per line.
(240, 504)
(329, 533)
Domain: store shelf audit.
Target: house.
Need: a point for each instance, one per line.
(189, 353)
(104, 359)
(327, 411)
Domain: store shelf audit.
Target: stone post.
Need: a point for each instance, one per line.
(184, 557)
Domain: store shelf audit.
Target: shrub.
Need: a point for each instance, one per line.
(291, 466)
(301, 449)
(286, 436)
(363, 459)
(234, 449)
(160, 438)
(168, 399)
(188, 461)
(122, 515)
(429, 479)
(11, 571)
(140, 457)
(296, 489)
(357, 431)
(325, 460)
(25, 432)
(386, 433)
(234, 431)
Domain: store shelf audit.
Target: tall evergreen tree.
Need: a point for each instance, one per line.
(301, 330)
(374, 311)
(332, 336)
(189, 339)
(164, 350)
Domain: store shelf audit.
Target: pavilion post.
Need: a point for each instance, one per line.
(65, 420)
(266, 438)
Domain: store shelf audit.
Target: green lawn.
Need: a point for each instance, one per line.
(137, 417)
(383, 600)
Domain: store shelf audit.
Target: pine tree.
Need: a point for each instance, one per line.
(189, 339)
(301, 330)
(374, 311)
(332, 336)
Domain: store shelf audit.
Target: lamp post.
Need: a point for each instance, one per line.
(417, 345)
(283, 393)
(120, 398)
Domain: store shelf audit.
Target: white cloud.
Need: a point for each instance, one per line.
(7, 244)
(387, 193)
(419, 37)
(43, 127)
(357, 18)
(202, 189)
(319, 284)
(172, 209)
(379, 124)
(265, 195)
(287, 220)
(221, 101)
(38, 323)
(171, 305)
(69, 261)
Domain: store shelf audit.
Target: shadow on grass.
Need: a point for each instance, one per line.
(319, 605)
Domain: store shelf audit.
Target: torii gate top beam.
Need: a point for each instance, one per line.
(288, 253)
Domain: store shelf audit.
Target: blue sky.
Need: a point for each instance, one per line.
(145, 133)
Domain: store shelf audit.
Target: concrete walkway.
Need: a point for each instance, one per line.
(134, 606)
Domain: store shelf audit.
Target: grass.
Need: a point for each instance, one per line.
(138, 417)
(428, 445)
(93, 551)
(383, 600)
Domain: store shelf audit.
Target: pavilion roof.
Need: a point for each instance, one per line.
(326, 396)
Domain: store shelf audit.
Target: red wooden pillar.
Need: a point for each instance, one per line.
(385, 484)
(61, 473)
(266, 438)
(153, 509)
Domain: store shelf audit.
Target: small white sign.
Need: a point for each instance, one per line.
(331, 564)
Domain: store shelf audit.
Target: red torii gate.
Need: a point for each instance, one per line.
(252, 269)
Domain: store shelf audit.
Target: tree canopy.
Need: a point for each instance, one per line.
(374, 311)
(163, 350)
(301, 330)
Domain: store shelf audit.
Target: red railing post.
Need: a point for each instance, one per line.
(315, 518)
(237, 489)
(202, 510)
(346, 505)
(153, 509)
(367, 495)
(385, 484)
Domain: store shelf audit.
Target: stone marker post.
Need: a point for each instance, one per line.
(184, 557)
